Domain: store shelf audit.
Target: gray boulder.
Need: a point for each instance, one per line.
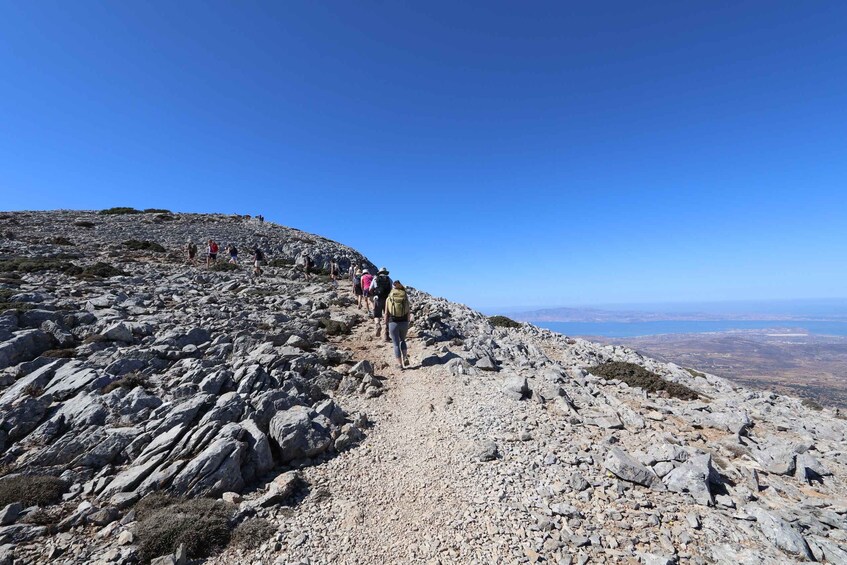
(626, 467)
(779, 532)
(694, 477)
(516, 387)
(23, 346)
(300, 432)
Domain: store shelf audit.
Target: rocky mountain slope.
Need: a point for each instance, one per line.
(136, 389)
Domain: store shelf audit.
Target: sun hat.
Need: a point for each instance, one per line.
(365, 272)
(383, 271)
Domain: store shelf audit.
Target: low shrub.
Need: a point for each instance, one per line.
(223, 266)
(280, 262)
(145, 245)
(98, 270)
(61, 240)
(636, 375)
(813, 404)
(503, 322)
(60, 353)
(694, 373)
(156, 211)
(334, 327)
(33, 390)
(118, 211)
(164, 218)
(85, 224)
(19, 306)
(203, 525)
(252, 533)
(35, 264)
(31, 490)
(129, 382)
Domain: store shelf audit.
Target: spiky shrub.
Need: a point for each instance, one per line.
(503, 322)
(638, 376)
(31, 490)
(203, 525)
(84, 224)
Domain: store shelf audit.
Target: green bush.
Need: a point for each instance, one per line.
(31, 490)
(280, 262)
(203, 525)
(119, 210)
(156, 211)
(145, 245)
(85, 224)
(223, 266)
(129, 382)
(636, 375)
(503, 322)
(61, 240)
(252, 533)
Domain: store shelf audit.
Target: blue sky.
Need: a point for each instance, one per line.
(499, 154)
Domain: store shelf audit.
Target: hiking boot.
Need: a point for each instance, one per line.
(406, 360)
(378, 330)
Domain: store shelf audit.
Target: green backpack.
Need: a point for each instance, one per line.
(398, 304)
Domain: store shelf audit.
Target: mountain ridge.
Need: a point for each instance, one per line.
(272, 393)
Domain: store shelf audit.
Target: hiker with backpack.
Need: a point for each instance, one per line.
(233, 254)
(380, 288)
(334, 272)
(397, 314)
(357, 287)
(191, 251)
(367, 278)
(258, 261)
(307, 264)
(212, 255)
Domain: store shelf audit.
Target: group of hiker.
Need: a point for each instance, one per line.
(389, 303)
(212, 250)
(385, 299)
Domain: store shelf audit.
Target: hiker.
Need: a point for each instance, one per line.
(397, 321)
(258, 261)
(367, 277)
(191, 250)
(212, 255)
(357, 287)
(380, 287)
(307, 264)
(233, 254)
(334, 272)
(261, 219)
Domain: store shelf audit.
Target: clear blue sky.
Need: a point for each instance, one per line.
(498, 154)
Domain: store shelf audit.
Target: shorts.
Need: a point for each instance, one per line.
(259, 263)
(213, 256)
(357, 290)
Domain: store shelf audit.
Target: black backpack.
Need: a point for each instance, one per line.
(383, 286)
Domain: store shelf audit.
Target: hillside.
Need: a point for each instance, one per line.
(261, 419)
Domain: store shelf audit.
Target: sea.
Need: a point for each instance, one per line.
(637, 329)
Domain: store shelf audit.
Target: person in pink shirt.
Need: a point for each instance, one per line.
(366, 285)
